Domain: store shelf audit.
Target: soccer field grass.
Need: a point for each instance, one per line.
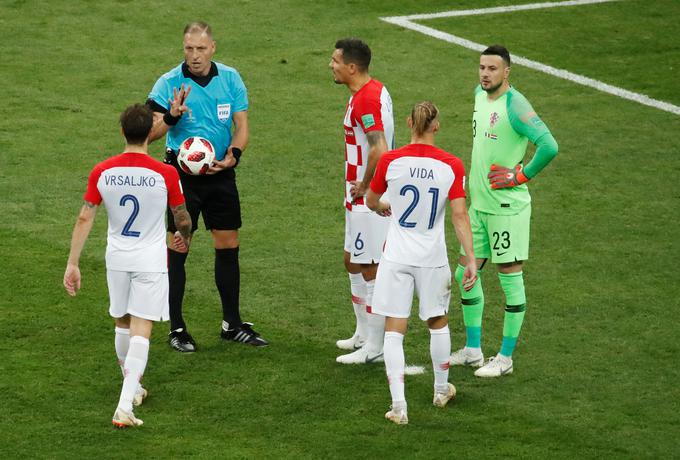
(595, 371)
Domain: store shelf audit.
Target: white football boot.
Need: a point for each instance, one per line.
(398, 416)
(466, 357)
(353, 343)
(360, 356)
(442, 399)
(140, 396)
(124, 419)
(497, 366)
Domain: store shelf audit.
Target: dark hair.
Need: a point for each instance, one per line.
(198, 26)
(136, 122)
(498, 50)
(355, 51)
(423, 115)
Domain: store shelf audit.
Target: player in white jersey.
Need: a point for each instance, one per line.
(369, 132)
(135, 189)
(419, 179)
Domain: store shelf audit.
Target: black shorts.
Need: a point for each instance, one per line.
(214, 196)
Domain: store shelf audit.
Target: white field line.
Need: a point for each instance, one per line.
(498, 9)
(406, 22)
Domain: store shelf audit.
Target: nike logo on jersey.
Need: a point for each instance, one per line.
(357, 254)
(498, 254)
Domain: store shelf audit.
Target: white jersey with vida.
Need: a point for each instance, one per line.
(419, 180)
(136, 190)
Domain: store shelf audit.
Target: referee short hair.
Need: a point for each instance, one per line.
(198, 26)
(498, 50)
(136, 122)
(355, 51)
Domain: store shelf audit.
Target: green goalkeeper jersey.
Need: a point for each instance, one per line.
(500, 131)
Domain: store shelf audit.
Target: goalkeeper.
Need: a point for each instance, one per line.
(503, 123)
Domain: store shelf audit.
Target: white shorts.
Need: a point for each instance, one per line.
(393, 294)
(140, 294)
(365, 234)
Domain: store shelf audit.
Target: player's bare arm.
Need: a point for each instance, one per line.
(81, 231)
(182, 237)
(377, 145)
(177, 108)
(461, 223)
(239, 141)
(374, 204)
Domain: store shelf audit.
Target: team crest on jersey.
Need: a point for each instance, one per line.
(223, 111)
(493, 119)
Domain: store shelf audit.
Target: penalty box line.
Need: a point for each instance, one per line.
(407, 23)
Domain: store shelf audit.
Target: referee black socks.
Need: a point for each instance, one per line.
(228, 280)
(177, 279)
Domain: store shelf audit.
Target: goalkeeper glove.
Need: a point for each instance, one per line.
(502, 177)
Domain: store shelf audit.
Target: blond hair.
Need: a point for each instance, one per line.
(423, 115)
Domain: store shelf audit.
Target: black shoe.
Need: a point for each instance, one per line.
(244, 334)
(182, 341)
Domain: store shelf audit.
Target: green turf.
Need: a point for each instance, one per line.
(632, 45)
(595, 373)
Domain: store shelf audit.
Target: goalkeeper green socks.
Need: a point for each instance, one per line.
(473, 306)
(515, 306)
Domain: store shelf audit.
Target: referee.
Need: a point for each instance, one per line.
(214, 105)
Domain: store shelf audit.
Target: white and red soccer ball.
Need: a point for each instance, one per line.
(195, 156)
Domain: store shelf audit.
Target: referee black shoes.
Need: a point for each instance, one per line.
(244, 334)
(181, 340)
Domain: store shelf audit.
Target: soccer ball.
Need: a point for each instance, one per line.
(196, 154)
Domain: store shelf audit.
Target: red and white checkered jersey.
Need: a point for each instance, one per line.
(136, 190)
(419, 180)
(369, 109)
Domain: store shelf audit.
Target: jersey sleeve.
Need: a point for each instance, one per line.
(367, 114)
(379, 181)
(240, 93)
(161, 92)
(92, 194)
(457, 189)
(526, 122)
(175, 194)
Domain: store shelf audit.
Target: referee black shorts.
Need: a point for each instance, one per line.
(214, 196)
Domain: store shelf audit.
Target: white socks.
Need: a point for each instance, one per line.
(122, 343)
(135, 363)
(375, 323)
(358, 289)
(394, 367)
(440, 351)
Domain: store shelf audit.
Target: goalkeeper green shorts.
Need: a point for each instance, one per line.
(502, 239)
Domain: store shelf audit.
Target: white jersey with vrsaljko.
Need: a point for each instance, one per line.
(419, 180)
(136, 190)
(369, 109)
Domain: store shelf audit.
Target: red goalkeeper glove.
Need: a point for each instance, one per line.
(502, 177)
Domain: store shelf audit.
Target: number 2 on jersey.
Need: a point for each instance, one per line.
(135, 210)
(416, 198)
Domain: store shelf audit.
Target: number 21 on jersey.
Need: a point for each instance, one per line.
(415, 199)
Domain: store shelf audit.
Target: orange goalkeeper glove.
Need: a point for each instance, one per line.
(502, 177)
